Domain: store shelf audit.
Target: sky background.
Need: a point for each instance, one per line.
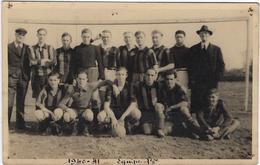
(231, 36)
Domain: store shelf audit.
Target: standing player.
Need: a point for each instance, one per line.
(179, 56)
(126, 54)
(160, 51)
(118, 106)
(87, 57)
(76, 103)
(43, 60)
(109, 54)
(64, 55)
(143, 59)
(18, 76)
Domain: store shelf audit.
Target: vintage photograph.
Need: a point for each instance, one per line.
(130, 83)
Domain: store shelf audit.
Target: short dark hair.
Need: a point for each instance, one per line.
(170, 72)
(42, 29)
(66, 34)
(107, 31)
(82, 71)
(121, 68)
(157, 32)
(139, 32)
(151, 69)
(213, 91)
(54, 73)
(180, 32)
(86, 30)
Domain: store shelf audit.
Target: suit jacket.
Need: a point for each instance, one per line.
(19, 63)
(206, 66)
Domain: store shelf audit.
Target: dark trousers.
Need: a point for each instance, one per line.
(199, 96)
(38, 82)
(17, 86)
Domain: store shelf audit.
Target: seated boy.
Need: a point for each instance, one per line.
(216, 121)
(47, 112)
(117, 105)
(76, 103)
(175, 100)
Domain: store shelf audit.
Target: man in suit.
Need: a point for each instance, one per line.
(205, 69)
(18, 76)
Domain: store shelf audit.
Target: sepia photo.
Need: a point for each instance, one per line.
(130, 83)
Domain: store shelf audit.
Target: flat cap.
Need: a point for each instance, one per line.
(21, 31)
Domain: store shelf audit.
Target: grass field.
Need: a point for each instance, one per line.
(31, 145)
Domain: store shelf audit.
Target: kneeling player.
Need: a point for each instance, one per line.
(117, 106)
(173, 96)
(47, 112)
(76, 103)
(145, 94)
(216, 121)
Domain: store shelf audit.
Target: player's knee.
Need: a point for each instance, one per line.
(236, 123)
(40, 115)
(136, 114)
(185, 111)
(159, 108)
(101, 117)
(58, 112)
(88, 115)
(147, 128)
(69, 116)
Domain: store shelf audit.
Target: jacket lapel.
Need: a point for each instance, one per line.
(14, 50)
(210, 52)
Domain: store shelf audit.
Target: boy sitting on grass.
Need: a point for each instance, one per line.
(216, 121)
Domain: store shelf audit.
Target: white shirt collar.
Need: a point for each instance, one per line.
(105, 46)
(16, 44)
(204, 43)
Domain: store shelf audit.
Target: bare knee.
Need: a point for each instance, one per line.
(102, 117)
(136, 114)
(185, 111)
(69, 115)
(88, 115)
(40, 115)
(235, 123)
(58, 112)
(159, 109)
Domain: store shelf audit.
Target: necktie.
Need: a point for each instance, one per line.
(19, 48)
(204, 48)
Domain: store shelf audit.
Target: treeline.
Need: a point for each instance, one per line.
(237, 75)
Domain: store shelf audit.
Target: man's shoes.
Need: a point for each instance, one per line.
(209, 138)
(160, 133)
(85, 132)
(194, 136)
(55, 128)
(47, 132)
(22, 127)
